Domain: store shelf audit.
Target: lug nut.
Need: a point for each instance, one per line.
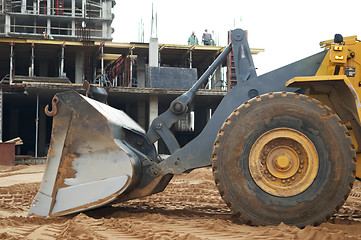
(301, 166)
(273, 179)
(283, 181)
(293, 178)
(288, 180)
(299, 171)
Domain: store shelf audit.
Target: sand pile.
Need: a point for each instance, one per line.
(190, 208)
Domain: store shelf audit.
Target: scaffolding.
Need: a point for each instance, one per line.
(58, 19)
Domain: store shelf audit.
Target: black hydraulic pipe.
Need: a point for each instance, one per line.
(161, 124)
(209, 71)
(179, 105)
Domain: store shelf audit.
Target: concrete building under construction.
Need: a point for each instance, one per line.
(50, 46)
(59, 19)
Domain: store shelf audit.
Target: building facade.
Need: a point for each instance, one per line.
(57, 19)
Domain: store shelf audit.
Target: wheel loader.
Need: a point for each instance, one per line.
(283, 146)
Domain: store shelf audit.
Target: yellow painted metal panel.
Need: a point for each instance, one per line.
(338, 54)
(306, 82)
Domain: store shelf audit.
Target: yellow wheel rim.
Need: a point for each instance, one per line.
(283, 162)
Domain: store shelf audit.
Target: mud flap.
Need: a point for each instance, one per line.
(88, 164)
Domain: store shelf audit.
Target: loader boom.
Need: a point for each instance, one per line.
(160, 127)
(245, 70)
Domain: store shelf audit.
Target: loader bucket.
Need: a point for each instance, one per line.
(88, 165)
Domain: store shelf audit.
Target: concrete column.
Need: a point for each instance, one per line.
(107, 6)
(153, 52)
(32, 60)
(73, 8)
(48, 7)
(34, 8)
(141, 114)
(83, 9)
(102, 64)
(153, 108)
(11, 70)
(107, 10)
(153, 111)
(73, 28)
(61, 67)
(141, 70)
(73, 21)
(105, 30)
(79, 67)
(7, 25)
(48, 26)
(131, 69)
(103, 10)
(23, 6)
(190, 59)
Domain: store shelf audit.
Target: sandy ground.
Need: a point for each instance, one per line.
(190, 208)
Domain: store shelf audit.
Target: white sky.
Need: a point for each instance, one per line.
(287, 30)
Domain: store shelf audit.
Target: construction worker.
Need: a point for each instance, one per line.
(47, 36)
(207, 38)
(193, 40)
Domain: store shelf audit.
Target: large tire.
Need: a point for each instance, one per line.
(284, 157)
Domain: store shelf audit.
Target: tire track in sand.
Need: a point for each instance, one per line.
(189, 208)
(17, 198)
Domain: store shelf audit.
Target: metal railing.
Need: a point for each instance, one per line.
(43, 10)
(63, 31)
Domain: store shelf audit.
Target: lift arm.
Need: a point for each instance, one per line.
(160, 127)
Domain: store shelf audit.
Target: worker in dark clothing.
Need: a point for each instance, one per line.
(207, 38)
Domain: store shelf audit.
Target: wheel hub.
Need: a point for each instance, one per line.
(283, 162)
